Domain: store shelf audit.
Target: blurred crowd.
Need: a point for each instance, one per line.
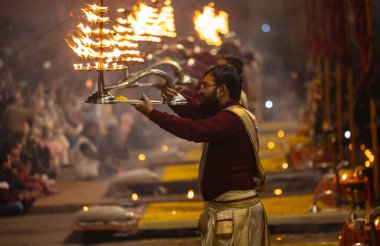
(47, 127)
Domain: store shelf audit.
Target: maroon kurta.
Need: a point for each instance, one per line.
(230, 161)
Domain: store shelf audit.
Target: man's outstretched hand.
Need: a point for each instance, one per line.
(145, 106)
(168, 93)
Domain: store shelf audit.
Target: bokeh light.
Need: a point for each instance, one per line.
(265, 27)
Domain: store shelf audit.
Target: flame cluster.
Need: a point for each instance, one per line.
(210, 25)
(150, 23)
(109, 47)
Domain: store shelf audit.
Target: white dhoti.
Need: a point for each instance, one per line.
(234, 218)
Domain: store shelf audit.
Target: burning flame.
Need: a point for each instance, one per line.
(144, 20)
(108, 46)
(97, 8)
(209, 25)
(91, 14)
(166, 20)
(150, 24)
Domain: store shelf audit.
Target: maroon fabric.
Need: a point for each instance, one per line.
(230, 162)
(326, 29)
(311, 35)
(338, 32)
(7, 196)
(364, 40)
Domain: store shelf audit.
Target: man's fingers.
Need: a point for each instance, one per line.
(168, 92)
(178, 88)
(164, 97)
(173, 91)
(144, 98)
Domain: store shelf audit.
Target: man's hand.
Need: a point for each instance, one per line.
(168, 93)
(145, 107)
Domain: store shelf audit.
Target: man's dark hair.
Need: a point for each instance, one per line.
(227, 74)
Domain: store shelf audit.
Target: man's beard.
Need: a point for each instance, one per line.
(210, 103)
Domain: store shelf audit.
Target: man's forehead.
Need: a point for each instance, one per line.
(209, 78)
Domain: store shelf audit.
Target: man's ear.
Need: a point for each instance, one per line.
(223, 90)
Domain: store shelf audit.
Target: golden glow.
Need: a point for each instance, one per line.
(85, 208)
(89, 84)
(166, 20)
(174, 212)
(278, 192)
(285, 165)
(377, 222)
(190, 194)
(344, 177)
(278, 238)
(108, 47)
(271, 145)
(97, 8)
(149, 56)
(142, 157)
(280, 133)
(350, 146)
(149, 23)
(164, 148)
(92, 16)
(210, 25)
(367, 164)
(134, 197)
(190, 62)
(144, 21)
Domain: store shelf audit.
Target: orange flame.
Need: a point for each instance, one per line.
(209, 25)
(93, 18)
(144, 20)
(166, 20)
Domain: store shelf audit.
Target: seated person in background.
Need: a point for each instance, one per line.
(10, 204)
(22, 169)
(15, 197)
(84, 155)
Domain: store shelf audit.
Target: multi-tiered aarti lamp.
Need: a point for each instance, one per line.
(113, 49)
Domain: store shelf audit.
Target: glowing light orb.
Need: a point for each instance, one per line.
(134, 197)
(190, 194)
(278, 192)
(142, 157)
(268, 104)
(280, 133)
(265, 27)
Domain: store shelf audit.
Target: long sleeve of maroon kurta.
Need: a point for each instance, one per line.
(230, 161)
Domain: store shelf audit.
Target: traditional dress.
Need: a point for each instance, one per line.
(230, 170)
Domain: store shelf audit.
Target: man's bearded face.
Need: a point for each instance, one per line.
(208, 91)
(210, 100)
